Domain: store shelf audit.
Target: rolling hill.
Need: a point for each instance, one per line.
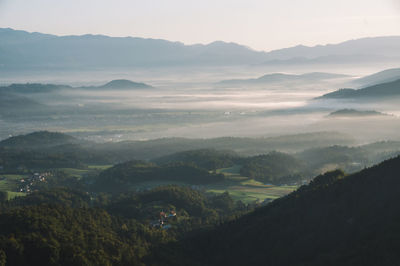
(335, 220)
(376, 92)
(40, 139)
(384, 76)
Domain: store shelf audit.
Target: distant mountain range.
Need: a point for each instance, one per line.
(118, 84)
(281, 77)
(379, 91)
(24, 50)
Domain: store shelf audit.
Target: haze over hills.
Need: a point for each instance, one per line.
(367, 47)
(41, 139)
(355, 113)
(196, 149)
(282, 77)
(376, 92)
(124, 84)
(384, 76)
(23, 50)
(27, 88)
(11, 102)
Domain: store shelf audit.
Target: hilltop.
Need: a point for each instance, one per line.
(124, 84)
(40, 139)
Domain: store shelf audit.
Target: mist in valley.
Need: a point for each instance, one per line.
(196, 103)
(199, 132)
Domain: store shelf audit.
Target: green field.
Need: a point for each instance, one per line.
(10, 183)
(239, 187)
(245, 189)
(79, 173)
(100, 167)
(11, 195)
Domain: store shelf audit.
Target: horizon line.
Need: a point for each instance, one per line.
(195, 44)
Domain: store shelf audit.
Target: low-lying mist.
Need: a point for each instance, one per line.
(192, 104)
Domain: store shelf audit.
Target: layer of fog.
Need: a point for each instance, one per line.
(188, 103)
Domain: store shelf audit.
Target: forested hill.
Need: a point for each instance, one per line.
(39, 139)
(336, 220)
(384, 90)
(122, 176)
(209, 159)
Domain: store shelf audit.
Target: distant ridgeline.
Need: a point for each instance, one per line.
(24, 50)
(281, 77)
(355, 113)
(28, 88)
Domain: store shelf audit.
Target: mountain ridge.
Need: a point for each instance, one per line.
(375, 92)
(24, 50)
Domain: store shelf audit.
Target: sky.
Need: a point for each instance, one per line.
(259, 24)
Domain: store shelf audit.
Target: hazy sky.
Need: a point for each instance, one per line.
(260, 24)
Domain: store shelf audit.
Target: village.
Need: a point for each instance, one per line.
(27, 185)
(164, 220)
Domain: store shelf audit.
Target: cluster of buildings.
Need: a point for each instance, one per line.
(27, 184)
(163, 221)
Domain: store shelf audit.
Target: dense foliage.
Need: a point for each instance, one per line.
(336, 220)
(274, 168)
(205, 158)
(69, 227)
(121, 176)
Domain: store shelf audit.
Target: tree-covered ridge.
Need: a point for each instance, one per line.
(209, 159)
(273, 168)
(60, 235)
(39, 139)
(121, 176)
(336, 220)
(54, 144)
(379, 91)
(69, 227)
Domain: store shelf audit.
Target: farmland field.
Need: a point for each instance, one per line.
(245, 189)
(9, 182)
